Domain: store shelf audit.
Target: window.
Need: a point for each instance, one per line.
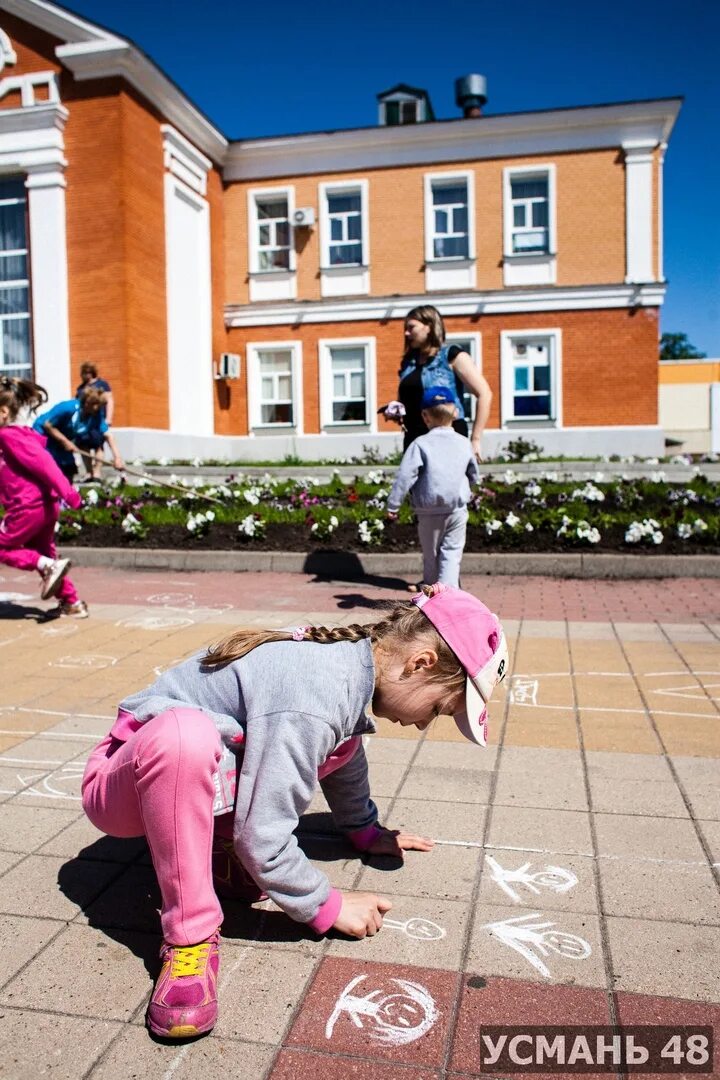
(14, 281)
(530, 212)
(530, 378)
(344, 239)
(273, 234)
(344, 211)
(276, 404)
(347, 382)
(450, 219)
(349, 396)
(401, 112)
(529, 226)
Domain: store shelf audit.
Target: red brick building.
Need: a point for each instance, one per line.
(134, 234)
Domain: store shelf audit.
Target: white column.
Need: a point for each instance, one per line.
(49, 280)
(661, 161)
(638, 212)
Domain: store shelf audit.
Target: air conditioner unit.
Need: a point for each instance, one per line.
(228, 366)
(303, 217)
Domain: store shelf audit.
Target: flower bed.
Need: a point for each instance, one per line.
(267, 514)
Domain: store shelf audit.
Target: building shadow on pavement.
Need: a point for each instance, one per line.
(338, 565)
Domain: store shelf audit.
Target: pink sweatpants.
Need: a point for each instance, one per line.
(159, 784)
(24, 537)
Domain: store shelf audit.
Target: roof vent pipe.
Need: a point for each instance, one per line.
(471, 94)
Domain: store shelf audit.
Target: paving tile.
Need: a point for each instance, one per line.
(647, 837)
(259, 991)
(264, 925)
(618, 732)
(630, 631)
(525, 829)
(546, 727)
(633, 784)
(20, 940)
(405, 1020)
(25, 828)
(557, 883)
(34, 1044)
(389, 751)
(699, 778)
(670, 891)
(41, 750)
(694, 736)
(83, 840)
(462, 758)
(565, 947)
(671, 959)
(671, 1013)
(208, 1059)
(296, 1064)
(548, 779)
(53, 888)
(9, 859)
(499, 1002)
(711, 832)
(453, 821)
(385, 779)
(426, 933)
(544, 628)
(446, 785)
(132, 903)
(592, 631)
(445, 872)
(89, 973)
(333, 856)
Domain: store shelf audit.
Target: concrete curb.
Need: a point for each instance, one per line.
(373, 564)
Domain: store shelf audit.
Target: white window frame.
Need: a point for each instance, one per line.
(455, 271)
(475, 340)
(21, 371)
(529, 267)
(345, 279)
(277, 283)
(255, 421)
(508, 420)
(325, 347)
(401, 99)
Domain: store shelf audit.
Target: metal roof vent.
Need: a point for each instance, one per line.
(471, 94)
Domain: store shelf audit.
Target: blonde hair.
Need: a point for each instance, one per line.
(16, 393)
(92, 396)
(442, 414)
(428, 316)
(403, 625)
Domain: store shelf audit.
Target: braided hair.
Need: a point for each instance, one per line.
(17, 393)
(402, 625)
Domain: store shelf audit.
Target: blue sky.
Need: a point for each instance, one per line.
(257, 70)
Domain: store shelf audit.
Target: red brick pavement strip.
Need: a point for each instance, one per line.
(665, 600)
(354, 1016)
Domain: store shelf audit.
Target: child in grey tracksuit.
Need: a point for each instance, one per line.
(437, 471)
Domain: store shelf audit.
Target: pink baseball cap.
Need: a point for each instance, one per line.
(476, 637)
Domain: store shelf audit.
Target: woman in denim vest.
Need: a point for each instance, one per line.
(427, 362)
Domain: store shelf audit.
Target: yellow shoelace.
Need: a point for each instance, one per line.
(190, 960)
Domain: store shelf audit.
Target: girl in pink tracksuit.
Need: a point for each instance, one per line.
(31, 487)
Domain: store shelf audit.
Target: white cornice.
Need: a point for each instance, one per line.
(501, 302)
(90, 52)
(513, 135)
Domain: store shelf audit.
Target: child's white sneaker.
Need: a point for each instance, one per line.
(78, 610)
(52, 575)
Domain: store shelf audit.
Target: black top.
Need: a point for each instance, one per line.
(410, 393)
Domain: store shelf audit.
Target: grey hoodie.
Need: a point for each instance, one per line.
(294, 701)
(437, 469)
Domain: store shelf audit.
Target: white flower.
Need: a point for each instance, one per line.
(130, 524)
(493, 526)
(589, 493)
(91, 497)
(529, 527)
(334, 522)
(551, 477)
(648, 528)
(684, 530)
(375, 476)
(209, 515)
(512, 520)
(163, 461)
(251, 496)
(249, 525)
(196, 462)
(509, 477)
(657, 477)
(533, 489)
(699, 526)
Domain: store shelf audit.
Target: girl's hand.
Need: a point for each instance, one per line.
(361, 914)
(477, 449)
(394, 842)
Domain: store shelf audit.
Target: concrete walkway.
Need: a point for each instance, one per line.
(574, 878)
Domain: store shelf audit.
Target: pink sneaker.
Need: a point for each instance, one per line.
(184, 1001)
(230, 878)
